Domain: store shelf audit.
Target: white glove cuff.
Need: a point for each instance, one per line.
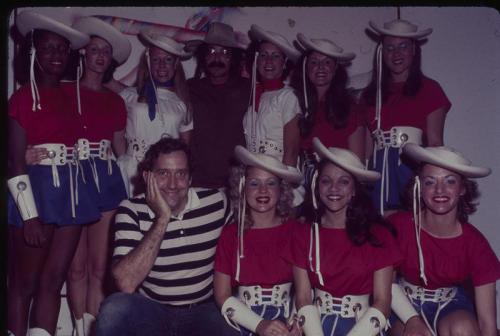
(371, 323)
(309, 320)
(20, 188)
(401, 305)
(239, 313)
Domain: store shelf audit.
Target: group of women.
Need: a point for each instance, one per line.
(335, 276)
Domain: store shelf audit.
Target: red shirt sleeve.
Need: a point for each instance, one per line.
(485, 267)
(225, 252)
(389, 253)
(300, 245)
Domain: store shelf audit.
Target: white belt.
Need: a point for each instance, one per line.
(346, 306)
(442, 294)
(278, 295)
(100, 150)
(396, 137)
(60, 155)
(270, 147)
(137, 148)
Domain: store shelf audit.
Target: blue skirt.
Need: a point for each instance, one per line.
(111, 187)
(54, 203)
(430, 309)
(336, 325)
(267, 312)
(400, 175)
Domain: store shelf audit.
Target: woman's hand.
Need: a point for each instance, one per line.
(294, 328)
(415, 326)
(33, 232)
(272, 328)
(154, 198)
(34, 155)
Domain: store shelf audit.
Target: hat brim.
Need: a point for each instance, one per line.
(192, 45)
(164, 46)
(28, 20)
(306, 44)
(423, 155)
(414, 35)
(268, 163)
(363, 175)
(258, 34)
(94, 26)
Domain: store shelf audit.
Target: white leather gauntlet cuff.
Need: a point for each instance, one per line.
(309, 320)
(401, 305)
(20, 188)
(370, 324)
(239, 313)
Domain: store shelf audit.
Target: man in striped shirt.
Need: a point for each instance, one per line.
(164, 247)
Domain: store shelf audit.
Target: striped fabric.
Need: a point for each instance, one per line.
(183, 271)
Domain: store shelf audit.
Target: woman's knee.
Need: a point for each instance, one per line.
(459, 323)
(77, 272)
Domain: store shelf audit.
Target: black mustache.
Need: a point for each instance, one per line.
(216, 64)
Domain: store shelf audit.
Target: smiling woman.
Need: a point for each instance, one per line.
(250, 253)
(442, 249)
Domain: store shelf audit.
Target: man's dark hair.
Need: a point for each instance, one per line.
(163, 146)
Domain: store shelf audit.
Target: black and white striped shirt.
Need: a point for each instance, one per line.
(183, 271)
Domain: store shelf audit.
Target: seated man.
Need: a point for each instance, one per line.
(164, 247)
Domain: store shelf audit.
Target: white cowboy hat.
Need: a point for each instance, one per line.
(324, 46)
(400, 28)
(346, 160)
(445, 157)
(94, 26)
(218, 33)
(259, 34)
(269, 163)
(28, 20)
(165, 43)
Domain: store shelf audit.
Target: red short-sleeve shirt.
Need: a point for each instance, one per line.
(103, 112)
(327, 133)
(57, 122)
(448, 261)
(400, 110)
(347, 269)
(264, 263)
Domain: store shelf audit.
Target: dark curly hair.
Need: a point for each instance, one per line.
(467, 203)
(163, 146)
(337, 99)
(410, 88)
(361, 215)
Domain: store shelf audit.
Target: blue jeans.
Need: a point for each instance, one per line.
(133, 315)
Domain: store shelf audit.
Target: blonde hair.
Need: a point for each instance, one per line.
(180, 84)
(284, 206)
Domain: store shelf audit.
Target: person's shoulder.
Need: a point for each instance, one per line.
(401, 219)
(429, 83)
(134, 203)
(21, 92)
(129, 94)
(472, 233)
(209, 195)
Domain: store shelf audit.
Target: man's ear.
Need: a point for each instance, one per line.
(145, 176)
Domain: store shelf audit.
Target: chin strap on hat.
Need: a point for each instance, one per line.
(304, 80)
(241, 225)
(384, 185)
(253, 108)
(35, 95)
(314, 238)
(79, 73)
(417, 219)
(148, 63)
